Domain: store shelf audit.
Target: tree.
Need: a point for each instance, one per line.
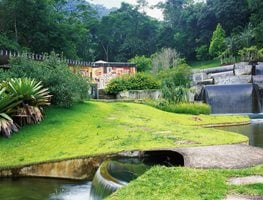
(230, 13)
(217, 44)
(46, 25)
(142, 63)
(165, 59)
(125, 33)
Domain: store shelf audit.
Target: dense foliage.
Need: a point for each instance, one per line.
(21, 102)
(142, 63)
(139, 81)
(74, 28)
(65, 86)
(174, 83)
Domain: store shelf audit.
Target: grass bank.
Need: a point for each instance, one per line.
(187, 184)
(93, 128)
(205, 64)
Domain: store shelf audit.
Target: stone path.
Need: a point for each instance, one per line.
(245, 180)
(222, 156)
(243, 197)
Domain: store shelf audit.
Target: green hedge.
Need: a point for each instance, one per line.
(139, 81)
(185, 108)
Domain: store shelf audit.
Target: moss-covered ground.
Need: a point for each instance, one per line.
(93, 128)
(162, 183)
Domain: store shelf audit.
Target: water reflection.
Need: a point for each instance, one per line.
(43, 189)
(254, 131)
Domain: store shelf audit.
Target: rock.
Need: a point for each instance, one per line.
(219, 69)
(139, 94)
(242, 69)
(227, 79)
(199, 77)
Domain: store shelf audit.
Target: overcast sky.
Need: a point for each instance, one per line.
(117, 3)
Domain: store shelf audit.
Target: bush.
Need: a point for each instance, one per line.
(184, 108)
(249, 54)
(65, 86)
(139, 81)
(23, 101)
(175, 82)
(142, 63)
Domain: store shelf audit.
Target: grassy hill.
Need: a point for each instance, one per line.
(93, 128)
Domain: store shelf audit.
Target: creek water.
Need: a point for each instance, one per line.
(253, 131)
(111, 175)
(43, 189)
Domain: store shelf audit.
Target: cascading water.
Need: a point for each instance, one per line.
(236, 98)
(259, 70)
(258, 79)
(115, 173)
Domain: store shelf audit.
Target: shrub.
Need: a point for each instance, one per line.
(174, 83)
(249, 54)
(139, 81)
(185, 108)
(31, 98)
(65, 86)
(21, 99)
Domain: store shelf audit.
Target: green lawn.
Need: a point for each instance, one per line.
(95, 127)
(161, 183)
(205, 64)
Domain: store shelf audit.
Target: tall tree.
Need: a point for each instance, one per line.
(230, 13)
(217, 44)
(126, 33)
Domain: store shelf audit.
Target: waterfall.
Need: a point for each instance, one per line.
(236, 98)
(258, 79)
(113, 174)
(259, 69)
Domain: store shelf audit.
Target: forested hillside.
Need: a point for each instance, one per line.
(77, 30)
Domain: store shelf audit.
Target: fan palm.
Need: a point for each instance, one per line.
(32, 96)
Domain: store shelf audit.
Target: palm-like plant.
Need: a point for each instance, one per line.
(7, 104)
(31, 96)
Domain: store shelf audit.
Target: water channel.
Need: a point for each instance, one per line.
(253, 131)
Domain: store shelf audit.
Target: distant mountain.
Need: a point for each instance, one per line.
(100, 9)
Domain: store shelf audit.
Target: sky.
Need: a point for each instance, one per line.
(117, 3)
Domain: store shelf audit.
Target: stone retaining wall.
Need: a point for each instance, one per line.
(140, 94)
(79, 169)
